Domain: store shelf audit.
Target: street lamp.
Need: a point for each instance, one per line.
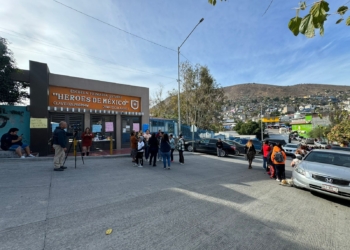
(178, 77)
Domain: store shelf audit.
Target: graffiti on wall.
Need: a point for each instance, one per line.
(15, 117)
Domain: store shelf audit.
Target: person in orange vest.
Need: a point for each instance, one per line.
(278, 158)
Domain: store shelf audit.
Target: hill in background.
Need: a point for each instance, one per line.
(256, 90)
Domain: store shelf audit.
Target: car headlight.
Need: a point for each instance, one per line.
(300, 171)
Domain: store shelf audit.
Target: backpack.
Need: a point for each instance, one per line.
(279, 156)
(5, 142)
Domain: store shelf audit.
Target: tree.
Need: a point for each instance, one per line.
(11, 92)
(340, 133)
(318, 13)
(319, 132)
(202, 99)
(250, 128)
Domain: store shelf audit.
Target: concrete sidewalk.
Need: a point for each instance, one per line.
(208, 203)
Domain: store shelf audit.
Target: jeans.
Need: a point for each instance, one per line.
(265, 163)
(159, 154)
(219, 150)
(166, 157)
(172, 154)
(146, 152)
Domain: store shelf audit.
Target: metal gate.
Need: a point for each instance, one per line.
(73, 120)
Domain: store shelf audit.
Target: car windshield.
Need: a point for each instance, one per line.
(329, 158)
(291, 146)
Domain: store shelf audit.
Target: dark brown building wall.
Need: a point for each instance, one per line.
(39, 83)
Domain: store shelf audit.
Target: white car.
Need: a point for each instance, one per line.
(324, 171)
(290, 148)
(321, 144)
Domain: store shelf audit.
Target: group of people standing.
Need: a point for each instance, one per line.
(154, 146)
(274, 159)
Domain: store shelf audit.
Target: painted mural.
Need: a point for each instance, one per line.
(15, 117)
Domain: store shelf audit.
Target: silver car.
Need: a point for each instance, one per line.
(290, 148)
(325, 171)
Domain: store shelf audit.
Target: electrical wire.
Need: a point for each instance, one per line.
(115, 27)
(78, 53)
(114, 67)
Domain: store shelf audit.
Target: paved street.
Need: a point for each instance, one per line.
(208, 203)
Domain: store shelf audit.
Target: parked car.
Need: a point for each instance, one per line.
(321, 144)
(239, 147)
(290, 148)
(256, 143)
(325, 171)
(188, 145)
(309, 141)
(209, 146)
(275, 141)
(339, 148)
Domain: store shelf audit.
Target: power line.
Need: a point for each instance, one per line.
(128, 69)
(99, 20)
(78, 53)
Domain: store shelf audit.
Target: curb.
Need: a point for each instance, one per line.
(31, 159)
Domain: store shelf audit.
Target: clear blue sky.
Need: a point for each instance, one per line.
(235, 41)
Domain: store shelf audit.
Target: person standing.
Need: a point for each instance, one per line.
(165, 149)
(59, 144)
(153, 149)
(146, 137)
(250, 152)
(172, 145)
(181, 148)
(161, 134)
(219, 147)
(140, 149)
(278, 158)
(133, 145)
(265, 151)
(86, 141)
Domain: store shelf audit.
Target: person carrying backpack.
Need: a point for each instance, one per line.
(278, 158)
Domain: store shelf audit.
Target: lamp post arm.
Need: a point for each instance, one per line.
(190, 33)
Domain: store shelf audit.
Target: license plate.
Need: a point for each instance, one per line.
(330, 188)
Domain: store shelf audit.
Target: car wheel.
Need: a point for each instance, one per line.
(223, 153)
(190, 148)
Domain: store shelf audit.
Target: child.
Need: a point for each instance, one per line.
(271, 172)
(139, 156)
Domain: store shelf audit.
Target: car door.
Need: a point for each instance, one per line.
(202, 145)
(211, 147)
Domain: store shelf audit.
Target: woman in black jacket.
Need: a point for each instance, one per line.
(153, 149)
(250, 152)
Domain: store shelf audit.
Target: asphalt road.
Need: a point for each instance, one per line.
(208, 203)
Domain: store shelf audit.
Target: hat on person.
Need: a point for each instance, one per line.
(180, 135)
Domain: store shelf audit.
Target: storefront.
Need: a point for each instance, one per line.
(110, 110)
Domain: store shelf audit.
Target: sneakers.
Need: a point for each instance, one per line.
(135, 165)
(23, 157)
(140, 166)
(181, 163)
(278, 179)
(58, 169)
(63, 167)
(31, 155)
(168, 168)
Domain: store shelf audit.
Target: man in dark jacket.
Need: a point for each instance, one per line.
(219, 147)
(59, 144)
